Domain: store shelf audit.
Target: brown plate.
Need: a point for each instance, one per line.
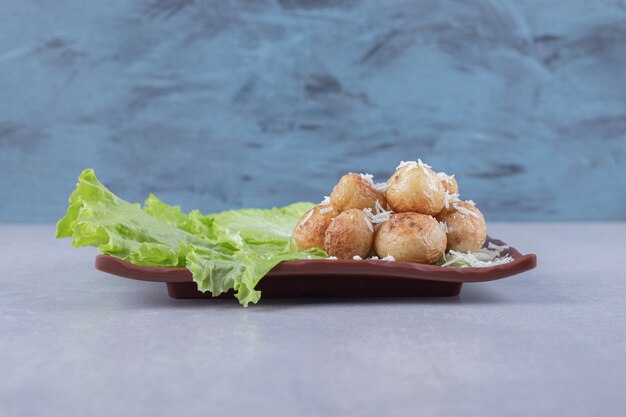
(337, 278)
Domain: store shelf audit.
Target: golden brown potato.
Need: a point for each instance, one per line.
(349, 234)
(411, 237)
(309, 232)
(466, 228)
(415, 188)
(449, 183)
(354, 191)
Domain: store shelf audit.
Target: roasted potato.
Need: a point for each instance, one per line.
(349, 234)
(415, 187)
(309, 232)
(411, 237)
(466, 227)
(353, 191)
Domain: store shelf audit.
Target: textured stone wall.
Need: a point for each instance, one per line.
(227, 104)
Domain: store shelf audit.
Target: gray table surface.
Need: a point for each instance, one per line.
(76, 341)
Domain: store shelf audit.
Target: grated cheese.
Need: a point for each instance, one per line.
(326, 210)
(498, 248)
(380, 216)
(380, 186)
(325, 201)
(308, 216)
(450, 198)
(444, 177)
(465, 211)
(368, 177)
(445, 227)
(368, 223)
(357, 258)
(332, 258)
(388, 258)
(410, 164)
(481, 258)
(422, 164)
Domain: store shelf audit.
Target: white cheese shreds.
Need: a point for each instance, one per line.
(332, 258)
(325, 201)
(471, 203)
(380, 186)
(357, 258)
(368, 223)
(445, 227)
(444, 177)
(380, 216)
(484, 257)
(422, 164)
(308, 216)
(465, 211)
(373, 258)
(309, 257)
(368, 177)
(326, 210)
(412, 164)
(450, 199)
(497, 248)
(388, 258)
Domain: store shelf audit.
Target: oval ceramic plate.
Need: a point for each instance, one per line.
(337, 278)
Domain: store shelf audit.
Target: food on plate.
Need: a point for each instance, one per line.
(411, 237)
(465, 226)
(355, 191)
(350, 234)
(309, 232)
(416, 216)
(491, 255)
(449, 183)
(415, 187)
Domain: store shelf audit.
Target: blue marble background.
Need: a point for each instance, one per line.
(224, 104)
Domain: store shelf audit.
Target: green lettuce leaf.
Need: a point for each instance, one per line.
(226, 251)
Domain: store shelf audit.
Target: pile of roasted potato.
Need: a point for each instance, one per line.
(416, 216)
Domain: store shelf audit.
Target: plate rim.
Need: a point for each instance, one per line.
(341, 268)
